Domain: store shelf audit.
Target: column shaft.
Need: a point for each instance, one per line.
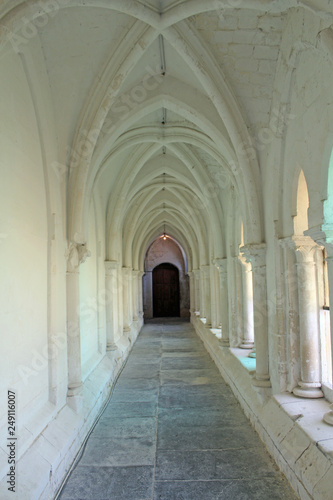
(309, 385)
(112, 304)
(224, 301)
(127, 299)
(247, 341)
(76, 254)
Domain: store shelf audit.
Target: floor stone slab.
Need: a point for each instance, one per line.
(173, 430)
(103, 483)
(259, 489)
(119, 451)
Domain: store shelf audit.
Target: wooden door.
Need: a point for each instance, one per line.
(166, 291)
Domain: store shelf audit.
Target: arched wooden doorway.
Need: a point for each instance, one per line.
(166, 297)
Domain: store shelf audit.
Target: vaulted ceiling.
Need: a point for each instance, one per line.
(154, 103)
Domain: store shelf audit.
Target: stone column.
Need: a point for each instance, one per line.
(221, 265)
(289, 286)
(256, 255)
(135, 294)
(202, 293)
(192, 291)
(214, 305)
(148, 287)
(126, 271)
(309, 385)
(247, 341)
(239, 331)
(76, 254)
(140, 293)
(328, 417)
(207, 296)
(111, 309)
(197, 290)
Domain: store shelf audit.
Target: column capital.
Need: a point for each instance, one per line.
(323, 236)
(76, 254)
(255, 254)
(205, 268)
(304, 248)
(135, 273)
(110, 265)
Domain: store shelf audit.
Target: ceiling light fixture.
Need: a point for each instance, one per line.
(162, 55)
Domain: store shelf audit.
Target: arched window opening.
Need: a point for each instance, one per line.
(326, 352)
(327, 355)
(328, 204)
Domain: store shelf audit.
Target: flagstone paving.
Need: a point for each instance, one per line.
(173, 430)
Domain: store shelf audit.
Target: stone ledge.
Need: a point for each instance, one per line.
(292, 428)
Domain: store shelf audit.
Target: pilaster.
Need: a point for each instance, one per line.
(76, 254)
(126, 275)
(112, 305)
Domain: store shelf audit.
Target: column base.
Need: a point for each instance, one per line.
(126, 329)
(264, 393)
(74, 389)
(246, 345)
(308, 390)
(135, 318)
(74, 397)
(261, 381)
(328, 417)
(111, 347)
(224, 342)
(252, 354)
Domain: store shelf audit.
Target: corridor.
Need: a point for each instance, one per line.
(173, 430)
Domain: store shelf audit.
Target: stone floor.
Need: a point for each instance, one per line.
(173, 431)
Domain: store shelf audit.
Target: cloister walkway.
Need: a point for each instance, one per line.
(173, 431)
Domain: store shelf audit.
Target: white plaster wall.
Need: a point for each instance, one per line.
(23, 247)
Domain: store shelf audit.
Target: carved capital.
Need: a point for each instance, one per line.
(255, 254)
(76, 254)
(305, 248)
(110, 265)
